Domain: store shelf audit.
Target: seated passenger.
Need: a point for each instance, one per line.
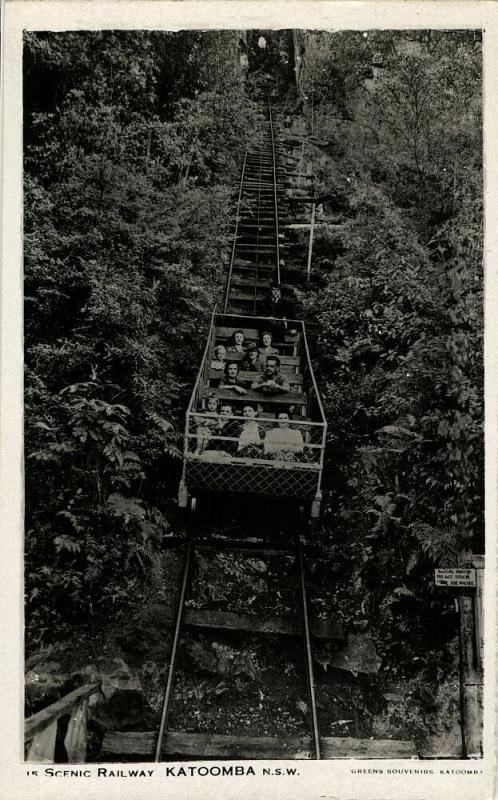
(275, 307)
(226, 427)
(273, 304)
(266, 348)
(236, 344)
(250, 438)
(218, 361)
(231, 379)
(283, 438)
(271, 381)
(207, 423)
(252, 361)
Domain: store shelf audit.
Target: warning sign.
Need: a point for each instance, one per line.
(458, 577)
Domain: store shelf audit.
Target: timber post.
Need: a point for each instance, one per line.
(301, 163)
(310, 246)
(470, 671)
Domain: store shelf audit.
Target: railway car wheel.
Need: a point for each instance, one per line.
(193, 505)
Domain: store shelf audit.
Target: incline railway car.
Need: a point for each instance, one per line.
(255, 430)
(255, 423)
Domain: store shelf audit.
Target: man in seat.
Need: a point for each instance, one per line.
(271, 381)
(275, 307)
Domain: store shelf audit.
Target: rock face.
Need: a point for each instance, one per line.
(123, 704)
(359, 655)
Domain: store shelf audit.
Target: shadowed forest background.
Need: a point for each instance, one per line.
(133, 143)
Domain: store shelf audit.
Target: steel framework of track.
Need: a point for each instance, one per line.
(256, 245)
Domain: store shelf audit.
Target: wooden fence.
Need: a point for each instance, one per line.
(40, 730)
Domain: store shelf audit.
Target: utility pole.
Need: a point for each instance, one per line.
(301, 163)
(310, 245)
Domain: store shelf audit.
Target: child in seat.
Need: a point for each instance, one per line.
(205, 426)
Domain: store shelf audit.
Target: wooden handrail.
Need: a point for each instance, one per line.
(37, 722)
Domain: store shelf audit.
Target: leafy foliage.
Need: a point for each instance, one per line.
(398, 299)
(129, 165)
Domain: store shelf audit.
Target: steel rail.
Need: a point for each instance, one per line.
(258, 219)
(275, 202)
(309, 657)
(174, 649)
(234, 244)
(320, 406)
(204, 355)
(312, 373)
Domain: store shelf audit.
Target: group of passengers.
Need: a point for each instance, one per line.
(246, 438)
(269, 381)
(263, 360)
(219, 433)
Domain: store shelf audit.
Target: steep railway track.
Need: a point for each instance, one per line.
(243, 746)
(258, 252)
(255, 263)
(255, 259)
(254, 266)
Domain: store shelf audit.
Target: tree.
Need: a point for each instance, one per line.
(398, 300)
(128, 210)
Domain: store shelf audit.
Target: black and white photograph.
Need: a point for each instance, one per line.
(253, 401)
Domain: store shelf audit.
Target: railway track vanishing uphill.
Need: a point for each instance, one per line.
(254, 268)
(259, 254)
(259, 257)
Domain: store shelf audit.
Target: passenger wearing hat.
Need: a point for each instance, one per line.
(253, 361)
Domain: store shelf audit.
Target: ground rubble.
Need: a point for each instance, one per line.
(233, 682)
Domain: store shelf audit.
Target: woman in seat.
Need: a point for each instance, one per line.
(266, 348)
(252, 361)
(283, 442)
(250, 437)
(227, 428)
(231, 379)
(236, 344)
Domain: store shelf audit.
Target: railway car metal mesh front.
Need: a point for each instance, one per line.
(252, 478)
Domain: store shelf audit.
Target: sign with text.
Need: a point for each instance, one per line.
(459, 577)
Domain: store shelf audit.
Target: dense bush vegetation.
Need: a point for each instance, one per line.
(132, 148)
(399, 305)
